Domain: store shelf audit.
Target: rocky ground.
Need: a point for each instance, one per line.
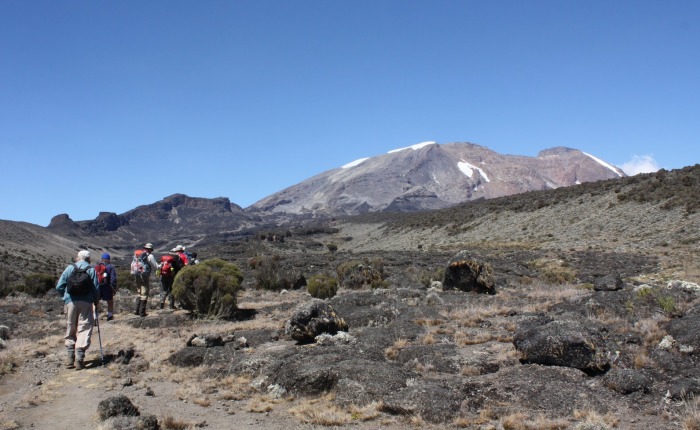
(540, 353)
(593, 325)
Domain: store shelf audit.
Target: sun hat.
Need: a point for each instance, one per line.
(105, 256)
(148, 246)
(179, 248)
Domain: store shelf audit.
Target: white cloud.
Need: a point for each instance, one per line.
(640, 164)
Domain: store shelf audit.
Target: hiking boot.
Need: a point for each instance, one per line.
(138, 307)
(110, 317)
(79, 365)
(69, 361)
(142, 308)
(162, 305)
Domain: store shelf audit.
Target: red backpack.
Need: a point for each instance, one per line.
(167, 268)
(101, 272)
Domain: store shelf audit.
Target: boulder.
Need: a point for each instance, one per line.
(686, 330)
(312, 319)
(608, 283)
(627, 381)
(467, 274)
(116, 406)
(568, 343)
(4, 332)
(205, 340)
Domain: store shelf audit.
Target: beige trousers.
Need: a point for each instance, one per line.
(79, 322)
(143, 286)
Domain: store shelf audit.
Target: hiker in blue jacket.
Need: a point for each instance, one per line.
(79, 309)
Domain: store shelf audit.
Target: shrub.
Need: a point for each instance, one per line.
(269, 275)
(38, 284)
(208, 289)
(322, 286)
(427, 276)
(126, 280)
(355, 274)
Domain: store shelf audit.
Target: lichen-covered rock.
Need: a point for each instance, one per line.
(627, 381)
(569, 343)
(312, 319)
(205, 340)
(465, 273)
(116, 406)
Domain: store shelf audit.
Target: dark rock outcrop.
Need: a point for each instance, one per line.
(627, 381)
(568, 343)
(465, 273)
(313, 318)
(115, 406)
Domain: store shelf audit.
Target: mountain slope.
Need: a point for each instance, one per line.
(432, 176)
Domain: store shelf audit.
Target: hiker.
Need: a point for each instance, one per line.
(81, 295)
(188, 258)
(146, 264)
(107, 279)
(193, 258)
(169, 266)
(180, 251)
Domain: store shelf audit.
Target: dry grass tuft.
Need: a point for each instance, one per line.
(690, 419)
(170, 423)
(392, 352)
(322, 411)
(520, 421)
(593, 419)
(650, 330)
(203, 402)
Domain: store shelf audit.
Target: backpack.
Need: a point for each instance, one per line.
(167, 268)
(190, 258)
(139, 264)
(102, 275)
(79, 281)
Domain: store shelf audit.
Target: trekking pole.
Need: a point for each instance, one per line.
(99, 336)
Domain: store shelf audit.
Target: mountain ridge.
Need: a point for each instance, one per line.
(433, 176)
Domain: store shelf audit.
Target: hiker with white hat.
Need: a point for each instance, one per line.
(80, 289)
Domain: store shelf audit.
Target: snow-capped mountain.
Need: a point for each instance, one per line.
(430, 176)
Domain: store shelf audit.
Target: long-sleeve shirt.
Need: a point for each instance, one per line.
(93, 296)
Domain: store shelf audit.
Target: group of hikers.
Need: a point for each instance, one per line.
(83, 286)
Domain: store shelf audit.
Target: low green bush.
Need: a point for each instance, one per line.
(322, 286)
(38, 284)
(208, 289)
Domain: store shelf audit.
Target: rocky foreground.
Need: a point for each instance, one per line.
(611, 352)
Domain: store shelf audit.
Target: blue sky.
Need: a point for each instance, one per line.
(106, 106)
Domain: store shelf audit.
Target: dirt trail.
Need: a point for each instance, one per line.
(42, 394)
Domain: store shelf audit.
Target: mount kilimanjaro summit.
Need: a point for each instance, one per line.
(420, 177)
(433, 176)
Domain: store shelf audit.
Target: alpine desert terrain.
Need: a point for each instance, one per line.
(588, 319)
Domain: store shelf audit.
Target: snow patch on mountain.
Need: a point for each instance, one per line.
(413, 147)
(355, 163)
(468, 169)
(604, 164)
